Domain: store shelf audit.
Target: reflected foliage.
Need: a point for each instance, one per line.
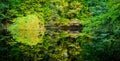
(28, 30)
(23, 36)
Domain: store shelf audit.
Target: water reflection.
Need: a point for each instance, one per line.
(62, 42)
(59, 42)
(72, 30)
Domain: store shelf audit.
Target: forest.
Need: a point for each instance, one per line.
(59, 30)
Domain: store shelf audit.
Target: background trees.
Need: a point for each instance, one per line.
(98, 41)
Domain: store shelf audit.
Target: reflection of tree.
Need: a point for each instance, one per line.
(27, 29)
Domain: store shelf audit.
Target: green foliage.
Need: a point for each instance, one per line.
(103, 33)
(27, 39)
(27, 29)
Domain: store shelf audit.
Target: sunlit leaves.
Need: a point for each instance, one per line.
(27, 30)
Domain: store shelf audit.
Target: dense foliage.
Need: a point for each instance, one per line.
(24, 38)
(27, 31)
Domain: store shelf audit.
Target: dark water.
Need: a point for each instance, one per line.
(71, 28)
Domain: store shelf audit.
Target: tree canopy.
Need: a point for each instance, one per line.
(23, 36)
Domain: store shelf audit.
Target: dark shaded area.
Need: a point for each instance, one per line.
(65, 28)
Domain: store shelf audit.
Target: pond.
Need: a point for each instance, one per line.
(58, 42)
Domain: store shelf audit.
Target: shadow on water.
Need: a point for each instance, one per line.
(71, 28)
